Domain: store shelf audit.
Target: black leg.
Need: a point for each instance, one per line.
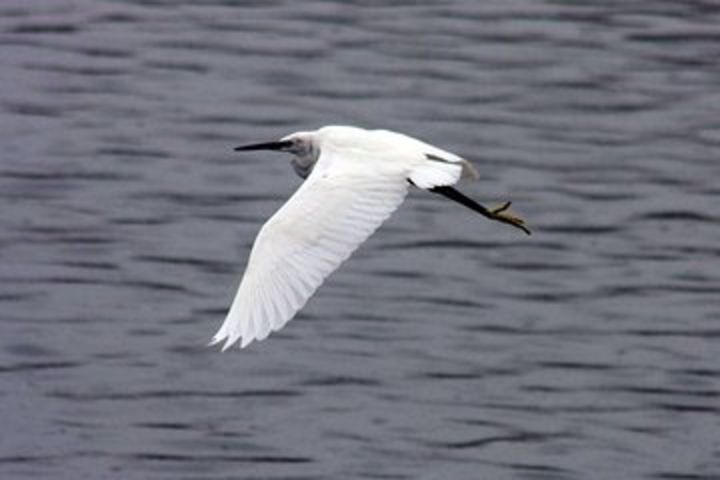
(499, 214)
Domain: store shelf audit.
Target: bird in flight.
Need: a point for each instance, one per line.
(354, 180)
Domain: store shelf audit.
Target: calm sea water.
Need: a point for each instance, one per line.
(448, 347)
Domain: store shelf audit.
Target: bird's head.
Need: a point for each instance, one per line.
(303, 145)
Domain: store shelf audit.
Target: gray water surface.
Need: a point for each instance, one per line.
(448, 347)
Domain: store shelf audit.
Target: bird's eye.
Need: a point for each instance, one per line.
(298, 145)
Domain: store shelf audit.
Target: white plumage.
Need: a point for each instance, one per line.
(357, 179)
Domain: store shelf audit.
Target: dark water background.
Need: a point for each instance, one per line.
(447, 347)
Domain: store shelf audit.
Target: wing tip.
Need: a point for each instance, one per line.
(469, 170)
(229, 340)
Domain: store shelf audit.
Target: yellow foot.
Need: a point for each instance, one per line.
(501, 214)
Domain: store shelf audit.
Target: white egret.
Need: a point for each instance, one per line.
(354, 180)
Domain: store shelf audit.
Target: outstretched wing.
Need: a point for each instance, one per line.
(342, 202)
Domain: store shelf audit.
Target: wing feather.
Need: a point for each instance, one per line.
(341, 203)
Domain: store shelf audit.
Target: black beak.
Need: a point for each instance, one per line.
(282, 145)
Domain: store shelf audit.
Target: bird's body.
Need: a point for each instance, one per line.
(354, 180)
